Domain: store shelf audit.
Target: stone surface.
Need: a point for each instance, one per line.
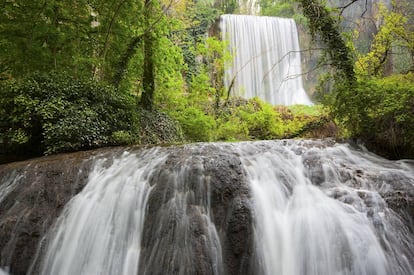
(199, 207)
(34, 202)
(198, 189)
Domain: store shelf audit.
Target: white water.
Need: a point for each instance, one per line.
(318, 209)
(100, 229)
(8, 184)
(301, 229)
(266, 59)
(183, 236)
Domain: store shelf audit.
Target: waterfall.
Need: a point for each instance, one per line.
(266, 59)
(286, 207)
(181, 237)
(100, 230)
(322, 219)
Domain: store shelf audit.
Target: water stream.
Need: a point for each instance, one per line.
(100, 229)
(339, 226)
(316, 207)
(266, 59)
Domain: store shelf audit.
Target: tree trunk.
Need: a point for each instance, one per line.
(147, 96)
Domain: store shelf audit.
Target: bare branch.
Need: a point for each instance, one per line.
(343, 8)
(288, 55)
(366, 8)
(346, 6)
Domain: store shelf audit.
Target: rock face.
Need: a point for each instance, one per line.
(200, 197)
(32, 195)
(31, 202)
(200, 212)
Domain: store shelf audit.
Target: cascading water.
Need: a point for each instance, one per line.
(308, 207)
(266, 59)
(341, 225)
(100, 230)
(181, 237)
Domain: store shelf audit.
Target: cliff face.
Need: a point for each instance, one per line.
(199, 217)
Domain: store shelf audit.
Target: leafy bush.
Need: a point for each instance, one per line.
(381, 112)
(263, 121)
(123, 138)
(232, 129)
(249, 119)
(158, 127)
(196, 125)
(50, 113)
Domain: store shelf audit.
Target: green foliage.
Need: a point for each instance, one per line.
(244, 119)
(226, 6)
(41, 36)
(376, 110)
(201, 16)
(158, 127)
(279, 8)
(212, 68)
(263, 121)
(56, 113)
(392, 31)
(123, 138)
(381, 112)
(196, 125)
(306, 110)
(81, 37)
(169, 65)
(307, 121)
(156, 50)
(323, 26)
(232, 128)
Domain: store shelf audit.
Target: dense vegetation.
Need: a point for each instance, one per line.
(89, 73)
(55, 112)
(370, 98)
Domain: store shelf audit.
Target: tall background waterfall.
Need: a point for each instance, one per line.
(266, 59)
(269, 207)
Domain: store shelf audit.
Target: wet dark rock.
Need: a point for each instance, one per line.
(199, 211)
(397, 191)
(226, 208)
(312, 161)
(36, 200)
(232, 211)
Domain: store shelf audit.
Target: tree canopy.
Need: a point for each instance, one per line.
(125, 70)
